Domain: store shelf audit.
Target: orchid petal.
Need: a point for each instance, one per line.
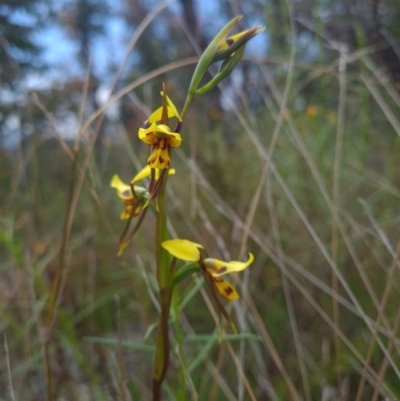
(147, 135)
(225, 289)
(143, 173)
(172, 108)
(172, 112)
(183, 249)
(124, 191)
(219, 267)
(159, 158)
(226, 43)
(174, 140)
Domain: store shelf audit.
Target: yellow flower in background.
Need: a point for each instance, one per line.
(311, 111)
(159, 135)
(212, 268)
(133, 200)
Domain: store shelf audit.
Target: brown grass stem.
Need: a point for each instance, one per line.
(286, 291)
(384, 366)
(318, 178)
(268, 342)
(8, 365)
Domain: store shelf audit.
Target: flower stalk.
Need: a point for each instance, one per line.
(158, 134)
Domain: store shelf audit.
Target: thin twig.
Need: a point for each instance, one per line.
(381, 312)
(10, 383)
(287, 293)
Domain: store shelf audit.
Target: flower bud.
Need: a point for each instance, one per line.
(225, 69)
(222, 48)
(233, 43)
(207, 58)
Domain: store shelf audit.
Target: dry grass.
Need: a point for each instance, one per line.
(319, 313)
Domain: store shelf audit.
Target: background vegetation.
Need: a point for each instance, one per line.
(294, 159)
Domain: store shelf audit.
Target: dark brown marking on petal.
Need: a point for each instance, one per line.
(130, 201)
(164, 145)
(228, 291)
(221, 270)
(161, 160)
(127, 192)
(229, 42)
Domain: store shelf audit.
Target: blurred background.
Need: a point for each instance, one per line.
(294, 158)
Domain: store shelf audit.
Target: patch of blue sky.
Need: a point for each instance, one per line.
(212, 19)
(109, 50)
(18, 16)
(59, 52)
(308, 47)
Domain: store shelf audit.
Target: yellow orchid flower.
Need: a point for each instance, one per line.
(217, 268)
(133, 200)
(159, 135)
(136, 199)
(162, 140)
(212, 268)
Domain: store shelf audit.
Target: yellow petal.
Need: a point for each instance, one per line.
(174, 140)
(171, 171)
(226, 43)
(159, 158)
(147, 135)
(127, 213)
(225, 289)
(228, 46)
(219, 267)
(172, 107)
(163, 129)
(143, 173)
(155, 116)
(183, 249)
(172, 112)
(124, 191)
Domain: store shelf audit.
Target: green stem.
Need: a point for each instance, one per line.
(164, 283)
(189, 99)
